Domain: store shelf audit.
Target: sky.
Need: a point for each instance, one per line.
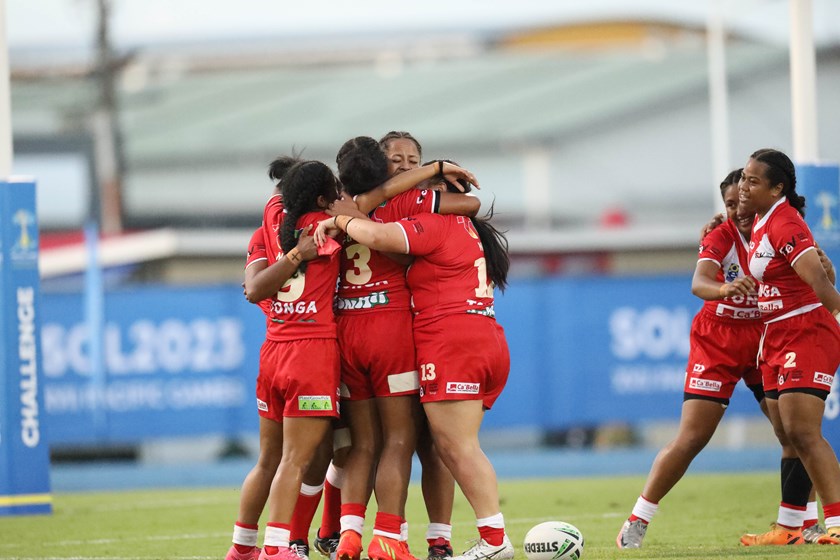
(51, 23)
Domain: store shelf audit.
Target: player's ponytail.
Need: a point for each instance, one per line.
(281, 164)
(495, 249)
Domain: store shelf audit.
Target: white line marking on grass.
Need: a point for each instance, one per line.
(110, 558)
(156, 504)
(194, 536)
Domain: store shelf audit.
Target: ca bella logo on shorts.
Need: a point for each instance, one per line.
(314, 402)
(461, 388)
(823, 378)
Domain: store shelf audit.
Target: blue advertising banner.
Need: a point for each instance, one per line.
(820, 185)
(183, 361)
(178, 362)
(24, 451)
(586, 351)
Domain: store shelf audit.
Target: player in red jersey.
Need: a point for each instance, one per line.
(261, 283)
(462, 354)
(404, 153)
(801, 341)
(723, 343)
(380, 382)
(298, 383)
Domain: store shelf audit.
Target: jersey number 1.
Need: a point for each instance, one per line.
(485, 288)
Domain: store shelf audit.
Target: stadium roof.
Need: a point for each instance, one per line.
(199, 129)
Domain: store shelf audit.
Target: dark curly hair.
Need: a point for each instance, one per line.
(780, 169)
(281, 164)
(362, 165)
(301, 187)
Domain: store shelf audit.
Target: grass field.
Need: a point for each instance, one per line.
(702, 518)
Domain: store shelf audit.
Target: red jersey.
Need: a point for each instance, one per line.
(369, 280)
(272, 219)
(256, 252)
(303, 308)
(451, 274)
(726, 247)
(778, 240)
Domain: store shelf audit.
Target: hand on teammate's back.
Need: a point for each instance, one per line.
(826, 263)
(306, 246)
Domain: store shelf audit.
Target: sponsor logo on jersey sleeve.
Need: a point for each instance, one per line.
(462, 388)
(788, 247)
(314, 402)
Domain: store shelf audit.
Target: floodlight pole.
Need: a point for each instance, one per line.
(718, 97)
(803, 82)
(5, 101)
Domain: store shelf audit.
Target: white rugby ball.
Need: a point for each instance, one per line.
(554, 540)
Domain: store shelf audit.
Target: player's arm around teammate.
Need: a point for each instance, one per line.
(463, 373)
(405, 153)
(379, 382)
(298, 383)
(724, 339)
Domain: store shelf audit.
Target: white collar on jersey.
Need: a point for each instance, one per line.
(766, 217)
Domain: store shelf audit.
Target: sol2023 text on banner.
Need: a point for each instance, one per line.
(183, 361)
(178, 361)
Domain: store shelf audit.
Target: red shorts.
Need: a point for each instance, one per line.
(723, 351)
(377, 355)
(462, 357)
(801, 352)
(298, 378)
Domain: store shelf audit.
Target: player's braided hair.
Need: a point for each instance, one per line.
(781, 170)
(397, 135)
(732, 179)
(281, 164)
(362, 165)
(301, 187)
